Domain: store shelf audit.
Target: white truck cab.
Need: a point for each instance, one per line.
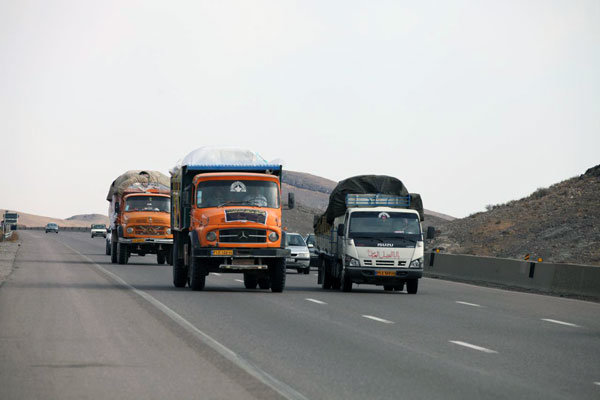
(378, 241)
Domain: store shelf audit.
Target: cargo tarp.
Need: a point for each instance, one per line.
(138, 180)
(221, 156)
(363, 184)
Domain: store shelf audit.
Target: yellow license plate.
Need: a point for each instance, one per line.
(138, 240)
(222, 252)
(386, 273)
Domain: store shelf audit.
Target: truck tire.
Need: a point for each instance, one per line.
(277, 275)
(412, 286)
(107, 250)
(122, 253)
(326, 275)
(180, 272)
(113, 252)
(197, 275)
(307, 270)
(399, 288)
(161, 258)
(346, 282)
(250, 280)
(264, 283)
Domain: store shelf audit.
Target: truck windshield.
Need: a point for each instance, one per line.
(237, 192)
(383, 224)
(148, 203)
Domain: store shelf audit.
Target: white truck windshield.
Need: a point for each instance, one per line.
(383, 223)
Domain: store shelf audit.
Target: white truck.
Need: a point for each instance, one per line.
(374, 238)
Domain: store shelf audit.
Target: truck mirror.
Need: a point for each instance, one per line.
(291, 200)
(117, 207)
(340, 230)
(430, 232)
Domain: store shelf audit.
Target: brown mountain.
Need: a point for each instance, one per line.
(32, 220)
(560, 224)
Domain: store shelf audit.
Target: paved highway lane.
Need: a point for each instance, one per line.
(451, 340)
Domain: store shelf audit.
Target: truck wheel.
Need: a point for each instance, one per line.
(399, 288)
(277, 274)
(388, 288)
(264, 283)
(122, 255)
(197, 275)
(113, 251)
(180, 272)
(306, 270)
(326, 277)
(107, 250)
(250, 280)
(412, 286)
(346, 282)
(161, 258)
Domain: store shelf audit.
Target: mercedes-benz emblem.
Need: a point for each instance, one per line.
(243, 235)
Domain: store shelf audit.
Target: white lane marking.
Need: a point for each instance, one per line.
(385, 321)
(468, 304)
(239, 280)
(597, 383)
(283, 389)
(554, 321)
(472, 346)
(316, 301)
(216, 274)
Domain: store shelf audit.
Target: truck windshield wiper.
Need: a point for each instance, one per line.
(228, 203)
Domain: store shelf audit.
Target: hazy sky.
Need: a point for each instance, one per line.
(467, 102)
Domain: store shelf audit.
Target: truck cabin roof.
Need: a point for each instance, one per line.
(234, 175)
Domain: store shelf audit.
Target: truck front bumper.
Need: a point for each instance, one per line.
(370, 275)
(144, 241)
(223, 252)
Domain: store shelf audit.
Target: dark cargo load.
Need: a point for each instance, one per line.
(363, 184)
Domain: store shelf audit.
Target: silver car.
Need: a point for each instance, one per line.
(300, 257)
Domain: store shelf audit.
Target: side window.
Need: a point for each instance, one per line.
(198, 198)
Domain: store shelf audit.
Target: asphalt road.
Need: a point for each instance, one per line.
(73, 325)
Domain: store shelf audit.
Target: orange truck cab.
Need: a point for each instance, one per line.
(139, 213)
(227, 218)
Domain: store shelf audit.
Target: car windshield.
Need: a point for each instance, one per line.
(237, 192)
(52, 226)
(389, 224)
(148, 203)
(294, 240)
(98, 226)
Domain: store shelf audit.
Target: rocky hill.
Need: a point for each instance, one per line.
(32, 220)
(560, 224)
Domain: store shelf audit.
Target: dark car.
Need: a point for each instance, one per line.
(310, 242)
(51, 227)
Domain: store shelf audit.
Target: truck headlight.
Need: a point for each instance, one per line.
(130, 230)
(273, 236)
(352, 262)
(418, 263)
(211, 236)
(168, 231)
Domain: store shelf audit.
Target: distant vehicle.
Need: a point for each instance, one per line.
(299, 259)
(108, 242)
(98, 230)
(51, 227)
(314, 255)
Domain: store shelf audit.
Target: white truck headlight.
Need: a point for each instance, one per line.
(130, 230)
(168, 231)
(273, 236)
(418, 263)
(352, 262)
(211, 236)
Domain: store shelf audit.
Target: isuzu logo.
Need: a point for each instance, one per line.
(385, 244)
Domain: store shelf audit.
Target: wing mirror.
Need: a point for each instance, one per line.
(117, 207)
(430, 232)
(340, 230)
(291, 201)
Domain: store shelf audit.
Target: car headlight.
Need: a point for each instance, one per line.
(352, 262)
(130, 230)
(168, 231)
(273, 236)
(418, 263)
(304, 255)
(211, 236)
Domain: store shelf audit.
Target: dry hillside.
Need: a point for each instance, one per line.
(560, 224)
(32, 220)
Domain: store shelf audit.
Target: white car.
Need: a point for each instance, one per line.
(98, 230)
(300, 257)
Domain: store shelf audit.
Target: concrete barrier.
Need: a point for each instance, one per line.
(561, 279)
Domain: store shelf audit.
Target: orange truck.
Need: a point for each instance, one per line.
(139, 214)
(226, 217)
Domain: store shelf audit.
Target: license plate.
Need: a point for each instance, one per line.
(290, 260)
(138, 240)
(386, 273)
(221, 252)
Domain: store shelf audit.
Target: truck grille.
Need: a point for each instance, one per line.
(387, 263)
(243, 236)
(150, 230)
